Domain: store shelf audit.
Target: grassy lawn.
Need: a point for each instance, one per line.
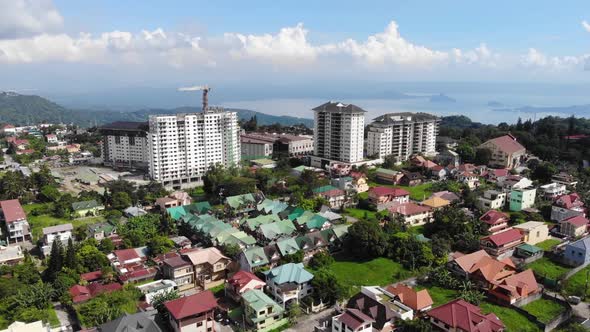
(548, 244)
(359, 213)
(41, 221)
(547, 268)
(377, 272)
(218, 291)
(576, 284)
(544, 310)
(513, 320)
(52, 316)
(417, 229)
(439, 295)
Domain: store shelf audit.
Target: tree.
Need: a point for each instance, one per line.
(470, 294)
(70, 257)
(120, 200)
(415, 325)
(140, 230)
(321, 260)
(160, 244)
(293, 312)
(482, 156)
(296, 257)
(106, 245)
(543, 172)
(49, 193)
(231, 250)
(159, 299)
(326, 287)
(466, 152)
(367, 239)
(91, 259)
(55, 263)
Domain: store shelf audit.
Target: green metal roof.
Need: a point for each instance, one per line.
(340, 230)
(258, 301)
(290, 272)
(386, 171)
(271, 206)
(529, 248)
(276, 229)
(254, 223)
(316, 222)
(256, 256)
(324, 189)
(287, 246)
(85, 205)
(236, 201)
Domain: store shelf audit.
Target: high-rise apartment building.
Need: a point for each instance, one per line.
(125, 145)
(183, 146)
(402, 135)
(338, 133)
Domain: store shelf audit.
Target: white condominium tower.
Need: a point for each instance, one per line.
(339, 133)
(184, 146)
(402, 135)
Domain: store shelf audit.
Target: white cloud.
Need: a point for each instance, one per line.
(481, 55)
(25, 18)
(388, 47)
(289, 45)
(538, 60)
(586, 25)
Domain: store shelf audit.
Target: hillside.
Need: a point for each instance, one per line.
(28, 109)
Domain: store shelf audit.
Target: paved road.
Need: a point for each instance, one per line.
(64, 317)
(306, 323)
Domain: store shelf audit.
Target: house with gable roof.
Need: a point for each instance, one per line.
(210, 266)
(496, 221)
(515, 287)
(412, 214)
(193, 313)
(419, 301)
(567, 206)
(384, 195)
(289, 283)
(577, 253)
(252, 258)
(241, 282)
(15, 220)
(506, 152)
(352, 320)
(502, 243)
(574, 226)
(336, 197)
(261, 311)
(459, 315)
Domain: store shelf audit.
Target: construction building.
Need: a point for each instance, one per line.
(125, 145)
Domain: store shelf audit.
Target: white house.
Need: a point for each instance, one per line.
(491, 199)
(60, 233)
(289, 283)
(552, 190)
(152, 289)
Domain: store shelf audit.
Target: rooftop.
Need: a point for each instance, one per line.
(338, 107)
(192, 305)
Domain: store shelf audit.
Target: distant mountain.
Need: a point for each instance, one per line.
(29, 109)
(494, 103)
(458, 122)
(442, 98)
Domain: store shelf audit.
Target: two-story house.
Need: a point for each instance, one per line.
(180, 270)
(506, 152)
(210, 267)
(412, 214)
(289, 283)
(384, 195)
(503, 243)
(567, 206)
(194, 313)
(533, 231)
(352, 320)
(15, 220)
(241, 282)
(491, 199)
(574, 226)
(521, 199)
(459, 315)
(60, 233)
(336, 197)
(260, 311)
(552, 191)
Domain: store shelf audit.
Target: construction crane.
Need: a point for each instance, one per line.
(204, 88)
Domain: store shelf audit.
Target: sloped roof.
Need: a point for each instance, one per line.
(257, 300)
(386, 171)
(505, 237)
(493, 217)
(235, 201)
(287, 246)
(583, 243)
(354, 318)
(338, 107)
(278, 228)
(57, 228)
(12, 210)
(209, 255)
(380, 312)
(577, 221)
(467, 262)
(85, 205)
(569, 201)
(191, 305)
(408, 209)
(507, 143)
(287, 273)
(518, 283)
(395, 192)
(461, 314)
(255, 256)
(448, 195)
(242, 278)
(492, 269)
(138, 322)
(436, 202)
(417, 300)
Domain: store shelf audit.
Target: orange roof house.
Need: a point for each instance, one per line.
(417, 300)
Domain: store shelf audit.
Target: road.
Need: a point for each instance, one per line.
(308, 322)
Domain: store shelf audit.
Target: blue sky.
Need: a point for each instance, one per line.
(89, 44)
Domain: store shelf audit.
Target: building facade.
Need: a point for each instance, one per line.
(402, 135)
(338, 133)
(183, 146)
(125, 145)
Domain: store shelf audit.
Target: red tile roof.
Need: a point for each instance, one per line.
(191, 305)
(387, 191)
(521, 284)
(354, 318)
(505, 237)
(91, 276)
(507, 144)
(569, 201)
(577, 221)
(84, 293)
(493, 217)
(499, 172)
(12, 210)
(177, 261)
(467, 317)
(126, 255)
(409, 209)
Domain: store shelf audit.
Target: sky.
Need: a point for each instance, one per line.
(73, 45)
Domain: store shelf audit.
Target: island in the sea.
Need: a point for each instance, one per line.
(441, 98)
